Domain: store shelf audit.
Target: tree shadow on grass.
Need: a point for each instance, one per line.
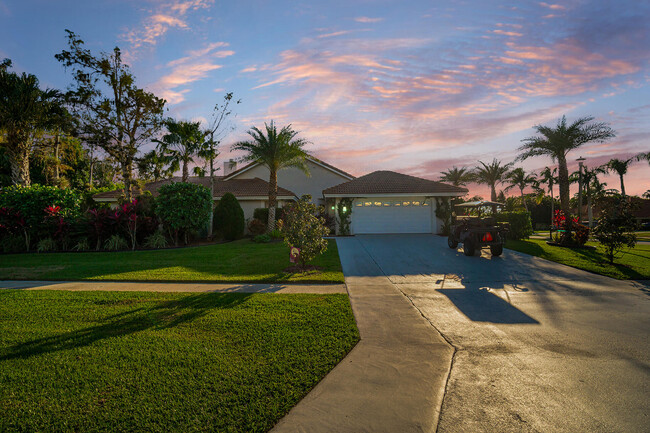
(598, 259)
(161, 316)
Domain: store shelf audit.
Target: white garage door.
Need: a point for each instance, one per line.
(391, 216)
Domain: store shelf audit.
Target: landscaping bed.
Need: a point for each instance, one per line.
(141, 361)
(241, 261)
(631, 265)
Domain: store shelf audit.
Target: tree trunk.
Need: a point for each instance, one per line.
(523, 199)
(273, 193)
(550, 228)
(590, 212)
(18, 154)
(622, 185)
(493, 197)
(126, 177)
(57, 161)
(186, 174)
(563, 180)
(211, 220)
(92, 167)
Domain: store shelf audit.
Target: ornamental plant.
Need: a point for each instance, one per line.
(229, 218)
(304, 230)
(616, 225)
(183, 208)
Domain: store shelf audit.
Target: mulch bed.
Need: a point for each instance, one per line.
(297, 269)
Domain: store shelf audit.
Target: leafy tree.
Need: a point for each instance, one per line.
(616, 226)
(304, 230)
(229, 217)
(215, 132)
(457, 176)
(25, 109)
(520, 179)
(181, 144)
(491, 175)
(114, 113)
(276, 151)
(152, 167)
(619, 166)
(183, 208)
(556, 142)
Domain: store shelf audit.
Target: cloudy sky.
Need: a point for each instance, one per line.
(410, 86)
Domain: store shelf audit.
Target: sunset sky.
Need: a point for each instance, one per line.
(414, 87)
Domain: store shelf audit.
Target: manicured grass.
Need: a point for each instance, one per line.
(633, 264)
(168, 362)
(242, 261)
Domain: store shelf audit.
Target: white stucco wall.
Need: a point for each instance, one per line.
(295, 180)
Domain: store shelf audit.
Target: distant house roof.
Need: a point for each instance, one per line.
(390, 182)
(240, 188)
(310, 158)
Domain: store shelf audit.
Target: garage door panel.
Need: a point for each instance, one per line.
(390, 219)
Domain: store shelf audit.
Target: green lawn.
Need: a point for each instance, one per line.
(241, 261)
(633, 264)
(168, 362)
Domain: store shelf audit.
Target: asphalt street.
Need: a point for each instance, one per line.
(540, 346)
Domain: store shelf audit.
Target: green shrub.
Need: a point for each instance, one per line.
(82, 245)
(156, 240)
(116, 243)
(616, 225)
(304, 230)
(276, 234)
(13, 244)
(229, 217)
(183, 208)
(520, 224)
(262, 239)
(256, 227)
(46, 245)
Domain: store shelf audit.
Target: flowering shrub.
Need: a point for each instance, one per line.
(256, 227)
(581, 231)
(304, 230)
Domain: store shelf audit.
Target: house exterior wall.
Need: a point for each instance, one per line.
(296, 181)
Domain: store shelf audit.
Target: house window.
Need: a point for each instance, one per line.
(406, 203)
(416, 203)
(360, 204)
(424, 203)
(386, 203)
(368, 203)
(397, 203)
(377, 203)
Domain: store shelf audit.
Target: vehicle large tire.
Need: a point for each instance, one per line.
(496, 250)
(469, 246)
(452, 242)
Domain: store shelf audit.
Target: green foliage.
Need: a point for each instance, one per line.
(181, 143)
(520, 224)
(262, 239)
(262, 214)
(46, 245)
(276, 234)
(256, 226)
(13, 244)
(616, 225)
(344, 212)
(183, 207)
(304, 230)
(115, 243)
(156, 240)
(229, 217)
(443, 212)
(82, 245)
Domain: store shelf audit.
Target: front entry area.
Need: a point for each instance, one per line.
(392, 215)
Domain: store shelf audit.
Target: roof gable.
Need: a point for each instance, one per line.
(390, 182)
(311, 159)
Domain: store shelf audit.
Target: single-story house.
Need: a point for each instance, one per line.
(381, 202)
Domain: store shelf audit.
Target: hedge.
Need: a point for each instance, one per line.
(183, 208)
(229, 217)
(520, 223)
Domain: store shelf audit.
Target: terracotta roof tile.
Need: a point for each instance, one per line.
(390, 182)
(239, 187)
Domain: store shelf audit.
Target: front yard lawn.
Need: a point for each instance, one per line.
(632, 265)
(169, 362)
(241, 261)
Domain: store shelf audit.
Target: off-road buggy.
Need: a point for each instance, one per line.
(479, 230)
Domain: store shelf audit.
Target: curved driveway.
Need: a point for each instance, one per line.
(539, 346)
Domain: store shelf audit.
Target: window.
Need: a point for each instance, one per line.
(368, 203)
(377, 203)
(386, 203)
(359, 204)
(397, 203)
(416, 203)
(424, 203)
(406, 203)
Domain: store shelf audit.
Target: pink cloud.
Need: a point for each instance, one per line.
(552, 6)
(368, 20)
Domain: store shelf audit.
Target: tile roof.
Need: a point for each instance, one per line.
(239, 187)
(390, 182)
(319, 161)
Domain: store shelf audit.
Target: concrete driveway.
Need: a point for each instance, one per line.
(539, 346)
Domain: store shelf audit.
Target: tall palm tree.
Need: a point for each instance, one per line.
(181, 143)
(591, 186)
(643, 156)
(619, 166)
(457, 176)
(548, 177)
(24, 109)
(556, 142)
(491, 174)
(520, 179)
(276, 151)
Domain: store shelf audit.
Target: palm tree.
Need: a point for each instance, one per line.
(276, 151)
(24, 109)
(491, 175)
(520, 179)
(619, 166)
(548, 177)
(556, 142)
(151, 166)
(643, 156)
(457, 176)
(592, 187)
(181, 143)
